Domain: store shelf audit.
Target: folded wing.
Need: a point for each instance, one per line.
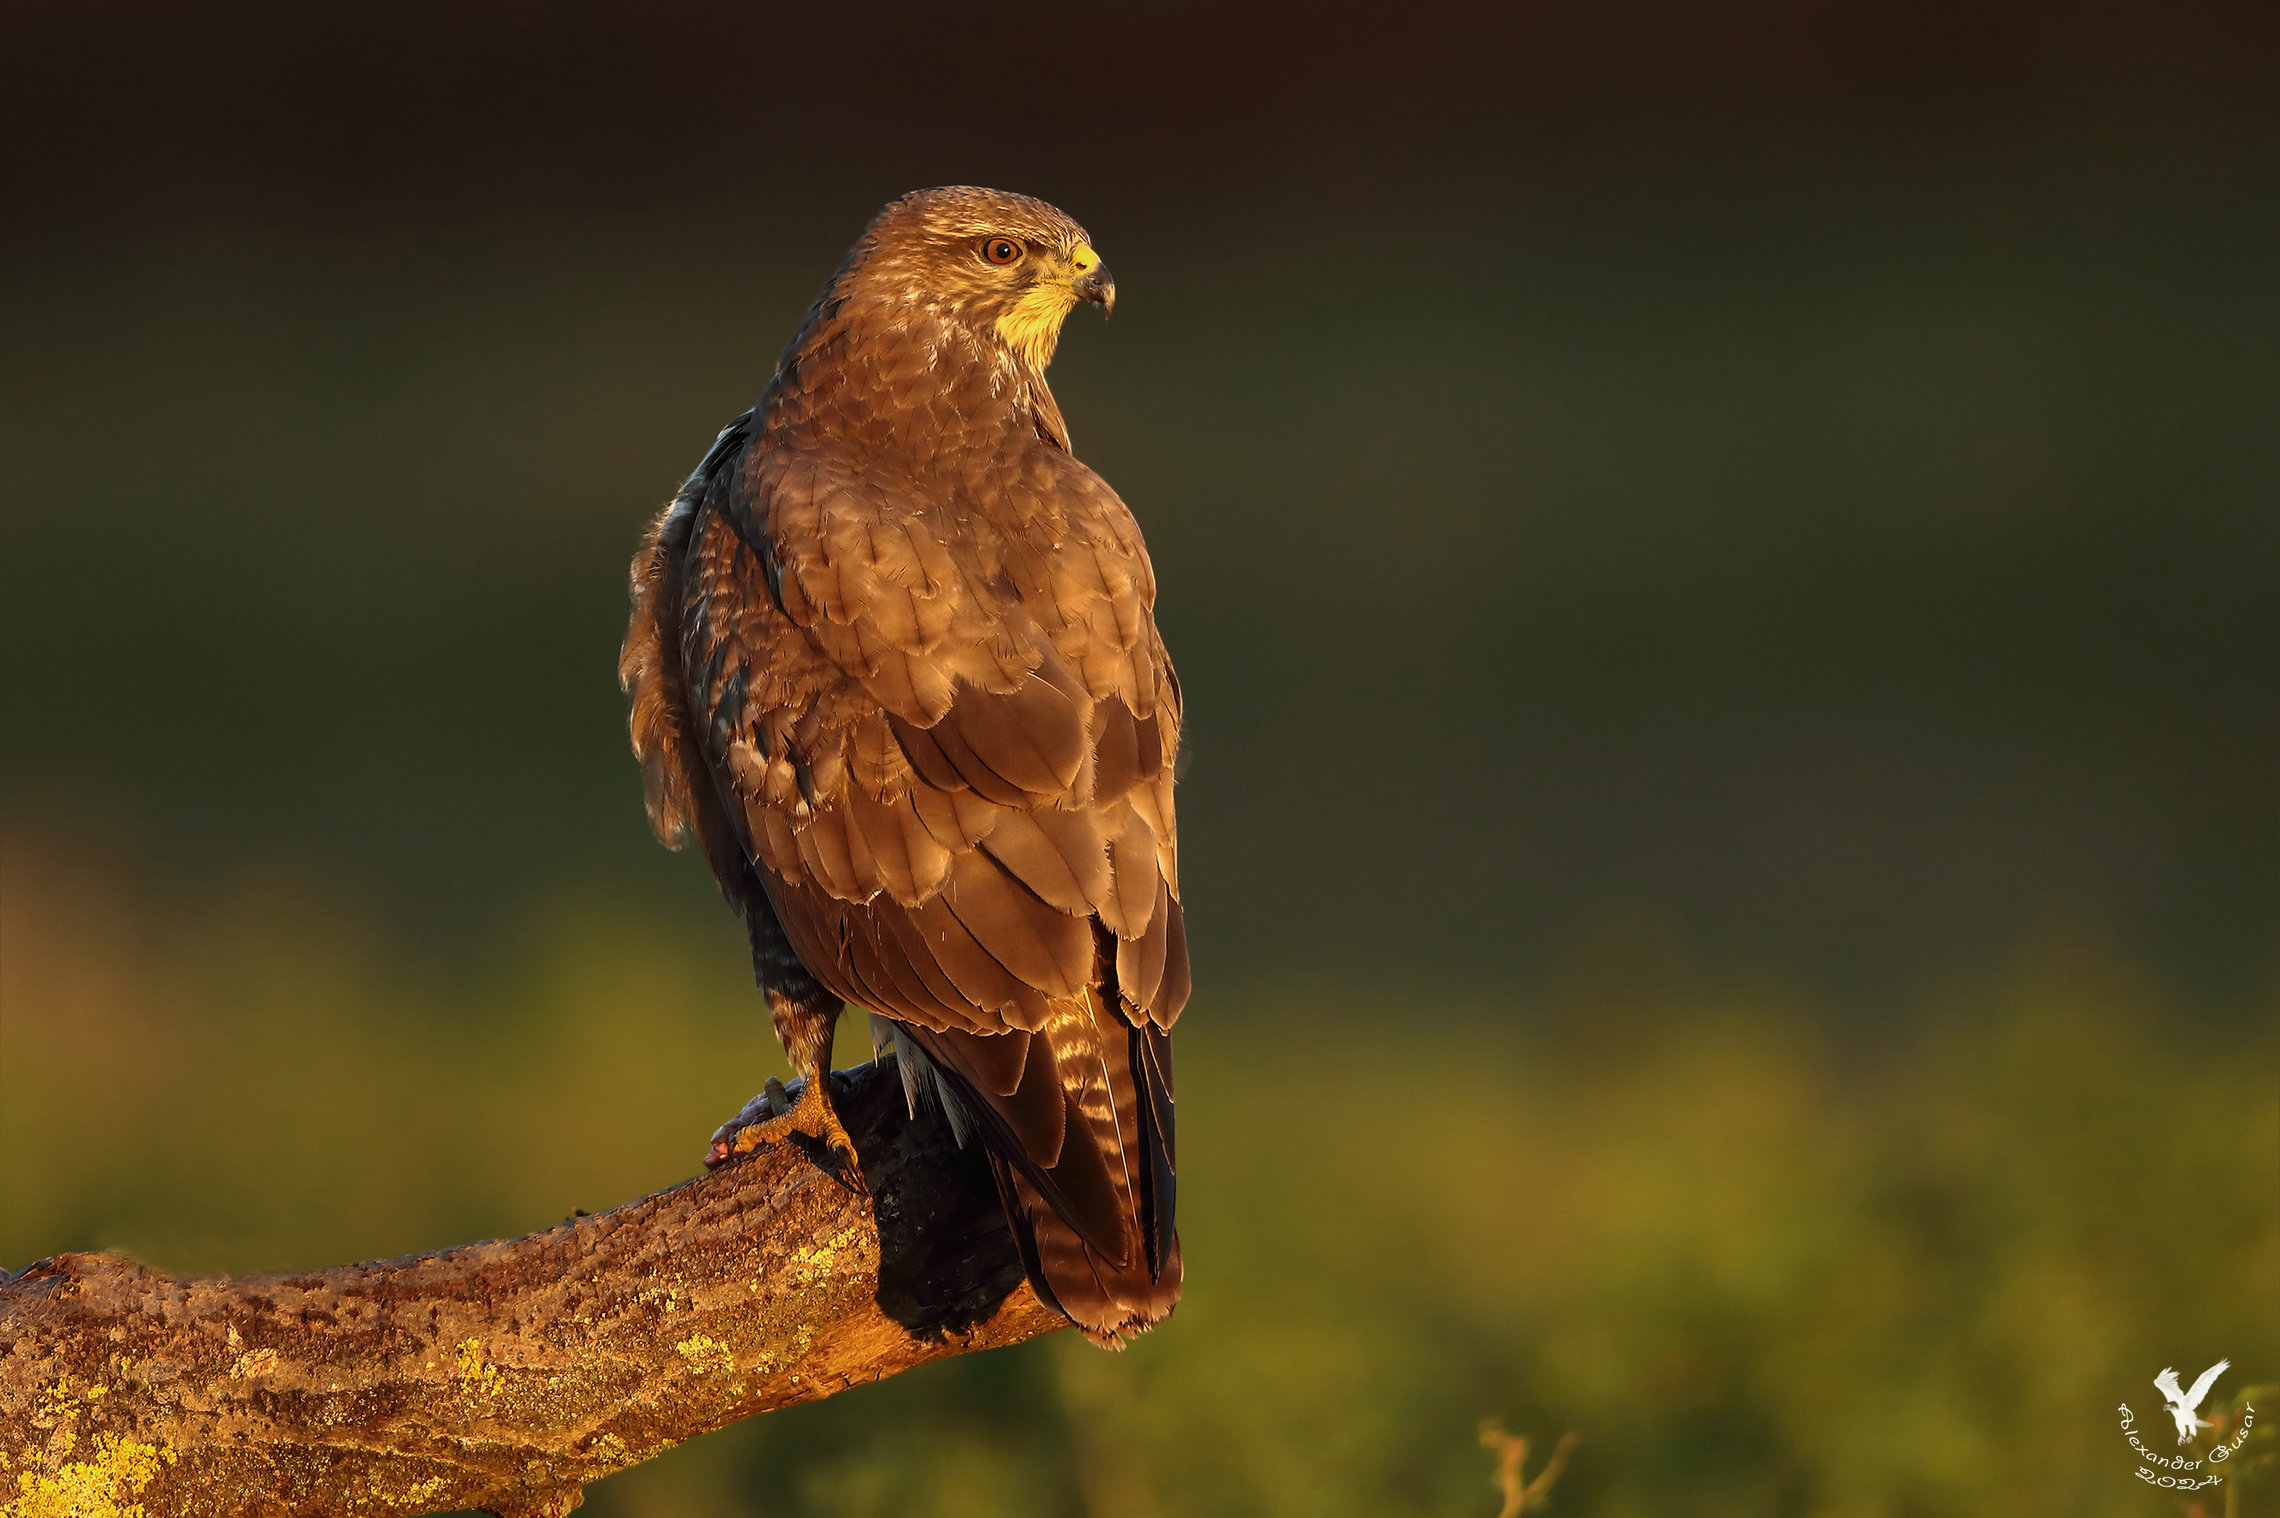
(943, 727)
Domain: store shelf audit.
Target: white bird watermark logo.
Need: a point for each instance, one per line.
(2185, 1406)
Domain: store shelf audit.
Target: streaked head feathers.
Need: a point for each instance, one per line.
(1009, 268)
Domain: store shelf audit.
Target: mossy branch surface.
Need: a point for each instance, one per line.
(505, 1376)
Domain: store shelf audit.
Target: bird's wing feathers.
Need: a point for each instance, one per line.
(949, 743)
(2166, 1384)
(2208, 1379)
(946, 733)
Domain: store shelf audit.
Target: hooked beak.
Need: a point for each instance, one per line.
(1099, 286)
(1093, 282)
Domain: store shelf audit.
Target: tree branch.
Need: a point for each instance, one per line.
(505, 1376)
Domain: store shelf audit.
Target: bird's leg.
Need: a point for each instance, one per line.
(801, 1113)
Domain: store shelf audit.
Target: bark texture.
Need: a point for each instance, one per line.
(506, 1375)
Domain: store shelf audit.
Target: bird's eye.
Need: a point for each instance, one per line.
(1002, 250)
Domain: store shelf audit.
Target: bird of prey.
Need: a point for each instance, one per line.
(2185, 1406)
(893, 661)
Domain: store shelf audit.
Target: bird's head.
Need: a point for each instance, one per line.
(1007, 268)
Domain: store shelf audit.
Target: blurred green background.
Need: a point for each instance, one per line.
(1722, 562)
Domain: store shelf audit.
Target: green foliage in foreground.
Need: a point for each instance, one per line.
(1758, 1276)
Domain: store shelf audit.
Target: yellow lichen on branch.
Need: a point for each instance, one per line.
(107, 1485)
(504, 1376)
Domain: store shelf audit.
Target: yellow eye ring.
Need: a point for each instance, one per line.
(1002, 250)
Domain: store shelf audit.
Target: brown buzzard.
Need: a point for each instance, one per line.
(894, 661)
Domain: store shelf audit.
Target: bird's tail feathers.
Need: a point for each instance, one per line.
(1077, 1120)
(1108, 1303)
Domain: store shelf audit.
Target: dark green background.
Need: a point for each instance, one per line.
(1839, 563)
